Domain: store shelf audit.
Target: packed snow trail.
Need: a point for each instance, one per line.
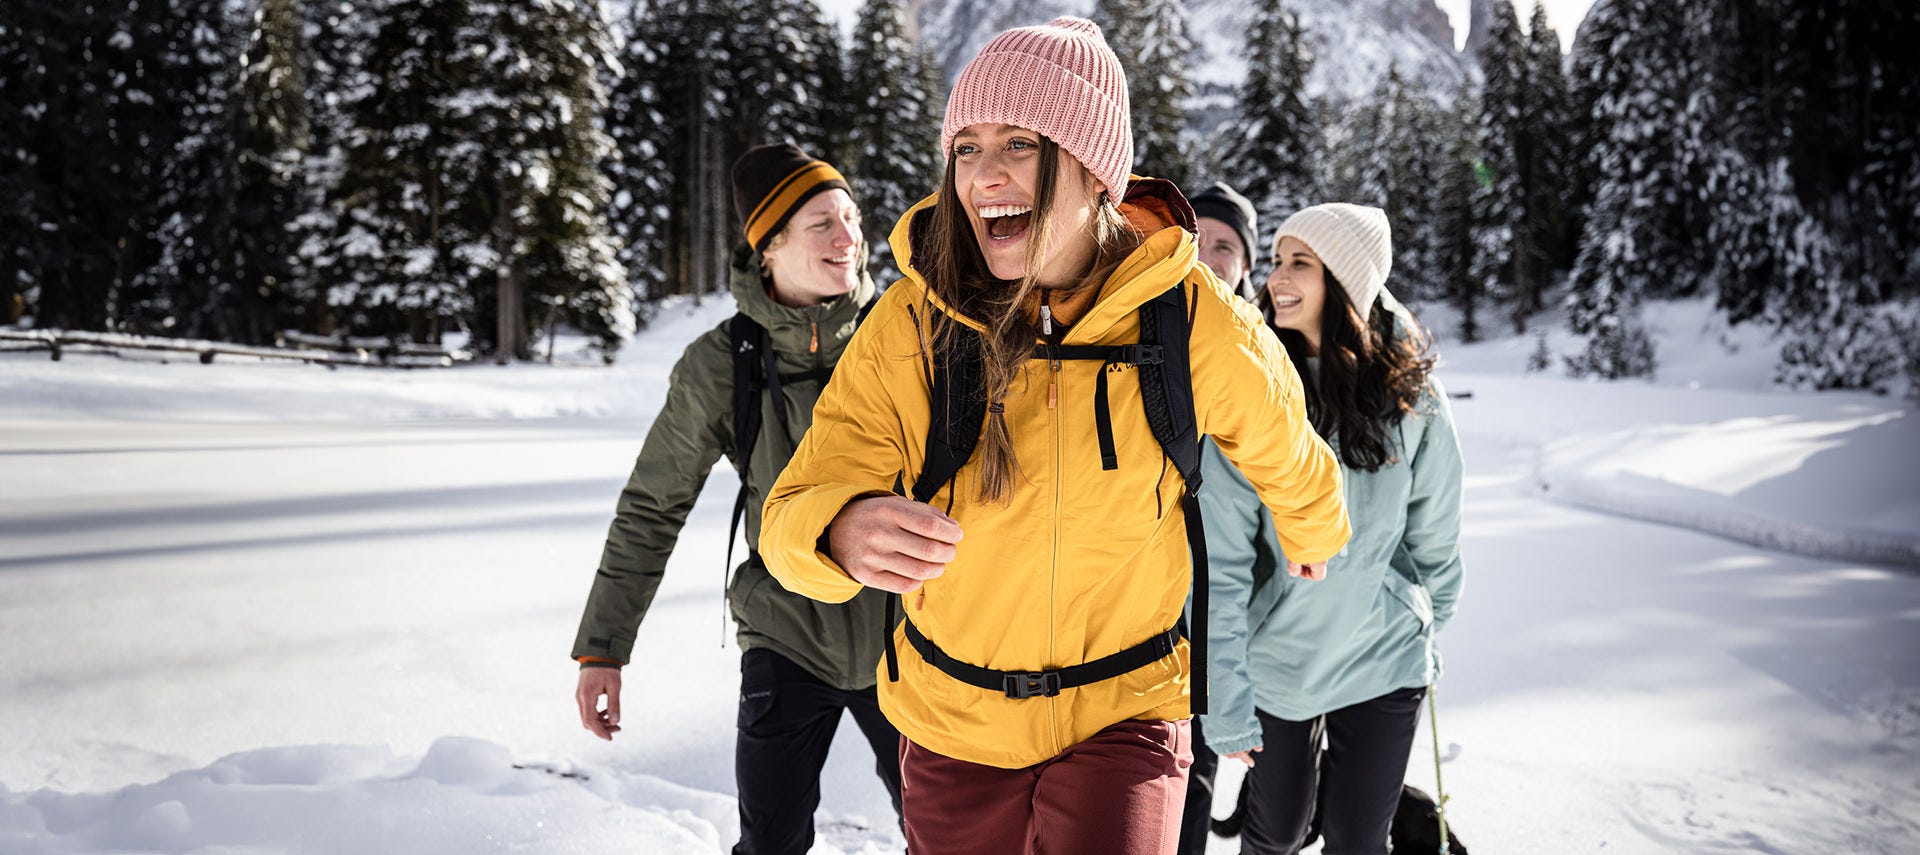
(245, 608)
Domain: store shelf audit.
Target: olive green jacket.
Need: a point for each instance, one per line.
(839, 643)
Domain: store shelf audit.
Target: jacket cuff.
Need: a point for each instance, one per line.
(1229, 743)
(597, 662)
(797, 559)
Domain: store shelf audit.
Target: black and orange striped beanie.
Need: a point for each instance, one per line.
(770, 182)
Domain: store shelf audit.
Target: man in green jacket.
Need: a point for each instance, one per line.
(801, 277)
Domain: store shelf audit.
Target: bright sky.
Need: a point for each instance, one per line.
(1564, 15)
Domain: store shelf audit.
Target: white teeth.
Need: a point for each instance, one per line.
(1286, 301)
(995, 211)
(847, 260)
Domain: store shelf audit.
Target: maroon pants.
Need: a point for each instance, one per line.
(1120, 792)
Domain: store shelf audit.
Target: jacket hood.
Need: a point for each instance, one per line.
(1167, 254)
(790, 328)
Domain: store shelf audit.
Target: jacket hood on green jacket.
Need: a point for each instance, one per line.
(792, 329)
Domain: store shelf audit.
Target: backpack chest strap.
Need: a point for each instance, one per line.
(1136, 355)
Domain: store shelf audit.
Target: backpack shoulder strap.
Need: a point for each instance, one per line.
(1166, 389)
(1166, 386)
(749, 343)
(750, 351)
(959, 401)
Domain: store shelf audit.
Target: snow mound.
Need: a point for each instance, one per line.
(1839, 488)
(464, 796)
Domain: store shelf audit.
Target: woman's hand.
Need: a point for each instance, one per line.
(892, 542)
(1310, 572)
(1246, 756)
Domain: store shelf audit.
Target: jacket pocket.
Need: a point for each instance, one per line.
(1413, 595)
(741, 592)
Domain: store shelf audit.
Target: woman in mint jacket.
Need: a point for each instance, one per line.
(1344, 661)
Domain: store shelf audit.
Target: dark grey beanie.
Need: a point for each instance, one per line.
(1224, 204)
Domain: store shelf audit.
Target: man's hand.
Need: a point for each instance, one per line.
(892, 542)
(1310, 572)
(1246, 756)
(594, 684)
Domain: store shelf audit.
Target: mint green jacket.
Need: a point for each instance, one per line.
(1297, 649)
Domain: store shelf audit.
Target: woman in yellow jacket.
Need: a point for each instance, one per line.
(1038, 556)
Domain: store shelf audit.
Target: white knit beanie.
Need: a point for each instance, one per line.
(1353, 241)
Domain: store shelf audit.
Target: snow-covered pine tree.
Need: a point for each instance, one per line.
(1592, 43)
(640, 169)
(388, 270)
(1353, 161)
(87, 79)
(1634, 240)
(188, 287)
(1150, 37)
(1416, 149)
(893, 148)
(29, 221)
(524, 216)
(1844, 68)
(696, 91)
(273, 131)
(1458, 180)
(1503, 227)
(337, 33)
(1268, 148)
(1549, 167)
(776, 75)
(826, 80)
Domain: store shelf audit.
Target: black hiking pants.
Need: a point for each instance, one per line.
(1197, 820)
(1360, 769)
(787, 721)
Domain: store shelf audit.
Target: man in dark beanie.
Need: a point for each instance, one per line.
(1227, 228)
(800, 282)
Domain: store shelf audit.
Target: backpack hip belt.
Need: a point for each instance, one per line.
(1032, 684)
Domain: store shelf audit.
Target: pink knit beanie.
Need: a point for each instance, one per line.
(1060, 80)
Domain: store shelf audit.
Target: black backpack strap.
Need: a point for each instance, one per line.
(1138, 355)
(959, 401)
(1166, 388)
(750, 368)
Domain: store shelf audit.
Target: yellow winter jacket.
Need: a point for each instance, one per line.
(1083, 562)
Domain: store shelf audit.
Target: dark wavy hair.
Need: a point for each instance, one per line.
(1370, 375)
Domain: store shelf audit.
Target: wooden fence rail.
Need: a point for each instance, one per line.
(321, 351)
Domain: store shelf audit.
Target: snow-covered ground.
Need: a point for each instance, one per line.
(276, 608)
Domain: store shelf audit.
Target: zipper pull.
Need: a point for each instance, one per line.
(920, 602)
(1053, 378)
(813, 344)
(1046, 314)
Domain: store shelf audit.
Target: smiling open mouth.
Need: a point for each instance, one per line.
(1007, 222)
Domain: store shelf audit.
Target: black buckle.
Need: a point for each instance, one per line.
(1021, 686)
(1142, 354)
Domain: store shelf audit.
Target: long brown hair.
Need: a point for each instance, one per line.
(1370, 376)
(956, 271)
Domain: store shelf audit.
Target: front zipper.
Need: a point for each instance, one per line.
(1053, 576)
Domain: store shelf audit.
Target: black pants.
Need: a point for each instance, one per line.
(787, 720)
(1198, 817)
(1356, 777)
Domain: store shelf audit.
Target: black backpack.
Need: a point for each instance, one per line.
(756, 368)
(1166, 387)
